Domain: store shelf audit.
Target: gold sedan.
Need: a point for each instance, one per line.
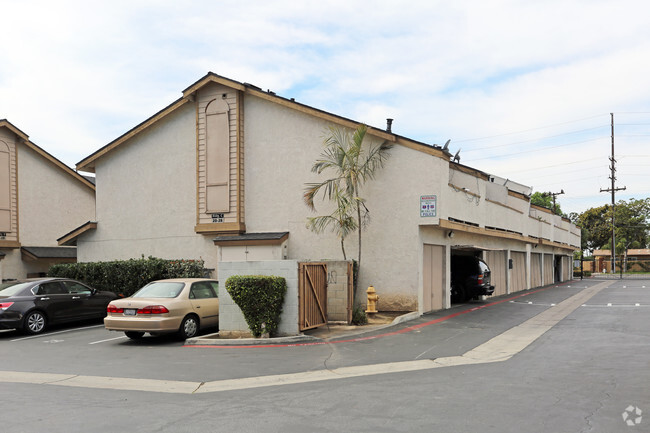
(182, 305)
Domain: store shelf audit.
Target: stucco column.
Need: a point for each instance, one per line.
(528, 266)
(447, 288)
(508, 272)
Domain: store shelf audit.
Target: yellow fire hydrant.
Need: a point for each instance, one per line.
(372, 300)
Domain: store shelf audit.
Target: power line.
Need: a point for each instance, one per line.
(555, 165)
(540, 139)
(534, 150)
(527, 130)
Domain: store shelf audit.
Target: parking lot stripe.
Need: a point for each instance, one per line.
(109, 339)
(54, 333)
(500, 348)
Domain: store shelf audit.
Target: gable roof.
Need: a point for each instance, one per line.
(36, 253)
(88, 163)
(70, 238)
(4, 123)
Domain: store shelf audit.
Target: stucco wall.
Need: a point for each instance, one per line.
(146, 197)
(337, 291)
(50, 204)
(231, 319)
(281, 147)
(50, 201)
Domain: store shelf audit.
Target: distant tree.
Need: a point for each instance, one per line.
(596, 223)
(632, 225)
(545, 199)
(632, 220)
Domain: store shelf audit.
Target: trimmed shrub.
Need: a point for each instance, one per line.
(125, 277)
(260, 299)
(359, 316)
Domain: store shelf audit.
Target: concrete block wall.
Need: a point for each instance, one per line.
(337, 291)
(231, 319)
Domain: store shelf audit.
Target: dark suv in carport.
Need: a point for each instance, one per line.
(470, 278)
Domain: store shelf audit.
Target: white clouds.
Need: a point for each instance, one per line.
(74, 75)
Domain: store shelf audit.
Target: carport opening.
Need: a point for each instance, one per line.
(470, 275)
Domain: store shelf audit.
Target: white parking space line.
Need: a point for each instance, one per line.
(610, 305)
(109, 339)
(500, 348)
(54, 333)
(532, 303)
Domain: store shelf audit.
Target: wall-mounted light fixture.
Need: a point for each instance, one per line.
(450, 234)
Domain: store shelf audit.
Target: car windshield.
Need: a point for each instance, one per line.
(12, 288)
(160, 290)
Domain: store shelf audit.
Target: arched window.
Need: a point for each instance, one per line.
(217, 156)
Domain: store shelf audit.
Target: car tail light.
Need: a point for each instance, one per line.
(153, 309)
(5, 305)
(113, 309)
(480, 279)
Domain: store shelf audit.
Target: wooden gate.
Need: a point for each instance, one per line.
(312, 292)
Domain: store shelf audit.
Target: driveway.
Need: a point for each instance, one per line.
(571, 357)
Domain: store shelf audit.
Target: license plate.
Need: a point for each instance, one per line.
(130, 311)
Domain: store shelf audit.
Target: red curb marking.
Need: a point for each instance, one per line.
(388, 334)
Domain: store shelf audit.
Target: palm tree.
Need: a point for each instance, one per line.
(340, 220)
(353, 165)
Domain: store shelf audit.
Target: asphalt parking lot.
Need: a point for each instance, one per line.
(494, 365)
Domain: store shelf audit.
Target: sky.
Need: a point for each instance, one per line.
(524, 89)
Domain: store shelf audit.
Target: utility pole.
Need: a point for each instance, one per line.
(553, 194)
(613, 190)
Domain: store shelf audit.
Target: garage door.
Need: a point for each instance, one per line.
(535, 269)
(549, 268)
(433, 271)
(496, 260)
(567, 268)
(518, 272)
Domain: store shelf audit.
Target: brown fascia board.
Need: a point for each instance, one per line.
(87, 164)
(25, 140)
(71, 237)
(518, 195)
(542, 208)
(60, 164)
(468, 170)
(10, 126)
(211, 77)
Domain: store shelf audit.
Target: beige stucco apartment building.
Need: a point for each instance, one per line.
(219, 174)
(40, 198)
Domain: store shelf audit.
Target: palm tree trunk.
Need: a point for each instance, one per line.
(343, 249)
(359, 232)
(355, 283)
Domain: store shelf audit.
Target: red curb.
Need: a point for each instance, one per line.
(388, 334)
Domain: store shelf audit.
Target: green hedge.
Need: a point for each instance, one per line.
(260, 299)
(125, 277)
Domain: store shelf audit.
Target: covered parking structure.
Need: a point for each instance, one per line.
(525, 246)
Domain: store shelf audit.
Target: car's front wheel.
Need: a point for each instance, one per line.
(189, 328)
(35, 322)
(134, 335)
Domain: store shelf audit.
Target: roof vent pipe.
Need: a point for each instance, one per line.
(389, 125)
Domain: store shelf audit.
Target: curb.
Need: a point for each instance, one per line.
(214, 340)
